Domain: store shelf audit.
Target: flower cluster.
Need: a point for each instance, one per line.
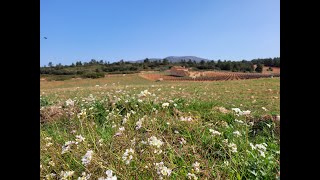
(109, 176)
(86, 159)
(127, 155)
(162, 170)
(214, 132)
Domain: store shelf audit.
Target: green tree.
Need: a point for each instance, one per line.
(259, 68)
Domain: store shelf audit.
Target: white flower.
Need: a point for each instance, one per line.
(66, 174)
(48, 144)
(214, 132)
(157, 151)
(139, 100)
(49, 176)
(238, 121)
(237, 133)
(66, 146)
(100, 142)
(196, 166)
(84, 176)
(182, 141)
(237, 110)
(48, 138)
(51, 163)
(261, 146)
(265, 109)
(79, 139)
(127, 155)
(262, 153)
(233, 147)
(121, 129)
(155, 142)
(165, 105)
(186, 118)
(70, 102)
(162, 170)
(109, 176)
(252, 146)
(176, 132)
(175, 104)
(192, 176)
(226, 163)
(139, 123)
(86, 159)
(143, 142)
(246, 112)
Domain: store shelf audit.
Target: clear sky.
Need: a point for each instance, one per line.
(135, 29)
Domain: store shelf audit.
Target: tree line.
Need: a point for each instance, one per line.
(96, 69)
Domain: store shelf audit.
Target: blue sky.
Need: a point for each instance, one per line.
(135, 29)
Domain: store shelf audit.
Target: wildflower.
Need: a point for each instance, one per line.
(139, 100)
(226, 163)
(252, 146)
(162, 170)
(196, 166)
(48, 144)
(66, 174)
(176, 132)
(51, 175)
(185, 118)
(48, 138)
(225, 141)
(70, 102)
(100, 142)
(246, 112)
(237, 133)
(109, 176)
(51, 163)
(86, 159)
(66, 146)
(262, 154)
(85, 176)
(214, 132)
(261, 146)
(165, 105)
(143, 142)
(139, 123)
(157, 151)
(175, 104)
(237, 110)
(192, 176)
(265, 109)
(182, 141)
(233, 147)
(79, 139)
(155, 142)
(238, 121)
(127, 155)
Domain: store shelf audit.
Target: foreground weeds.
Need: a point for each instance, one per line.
(124, 133)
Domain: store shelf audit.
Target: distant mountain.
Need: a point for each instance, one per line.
(186, 58)
(174, 59)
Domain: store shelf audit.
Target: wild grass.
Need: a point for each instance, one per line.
(152, 130)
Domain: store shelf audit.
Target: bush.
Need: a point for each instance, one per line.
(93, 75)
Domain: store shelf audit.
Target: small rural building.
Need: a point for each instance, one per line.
(179, 71)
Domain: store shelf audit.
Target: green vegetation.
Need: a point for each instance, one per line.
(149, 130)
(96, 69)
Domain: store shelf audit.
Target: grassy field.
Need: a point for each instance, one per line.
(139, 129)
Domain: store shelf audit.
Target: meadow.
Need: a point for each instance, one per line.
(127, 127)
